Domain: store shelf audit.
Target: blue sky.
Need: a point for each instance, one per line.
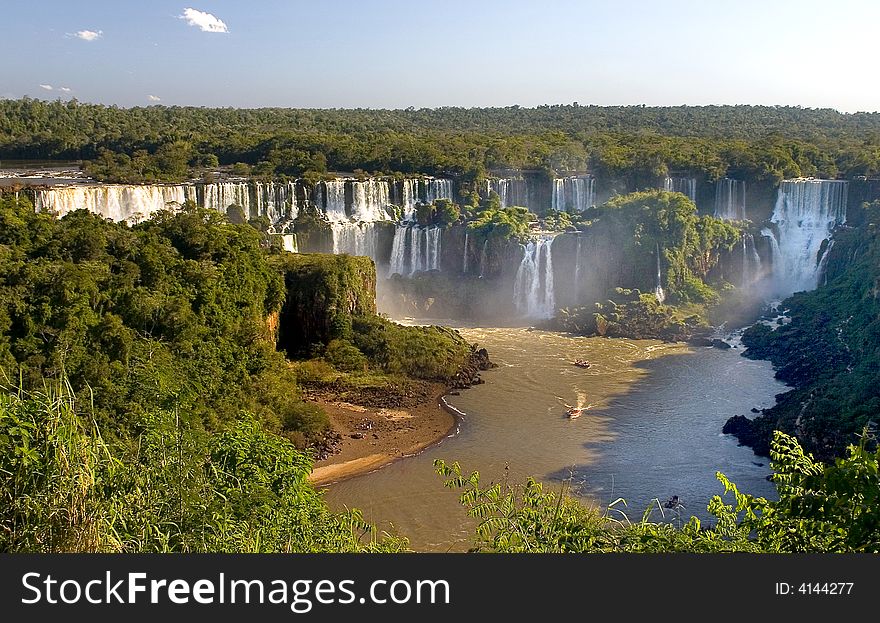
(394, 54)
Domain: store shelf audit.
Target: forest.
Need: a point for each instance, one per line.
(159, 143)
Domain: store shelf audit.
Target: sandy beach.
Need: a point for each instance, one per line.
(373, 437)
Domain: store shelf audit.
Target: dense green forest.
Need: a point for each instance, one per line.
(635, 142)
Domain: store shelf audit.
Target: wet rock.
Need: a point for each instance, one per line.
(357, 435)
(755, 410)
(700, 341)
(716, 343)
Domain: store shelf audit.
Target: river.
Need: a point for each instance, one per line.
(653, 430)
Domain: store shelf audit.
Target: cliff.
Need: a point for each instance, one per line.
(324, 292)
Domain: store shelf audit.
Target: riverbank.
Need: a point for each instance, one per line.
(374, 437)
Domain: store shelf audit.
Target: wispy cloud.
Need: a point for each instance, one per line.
(203, 21)
(64, 89)
(154, 98)
(87, 35)
(47, 87)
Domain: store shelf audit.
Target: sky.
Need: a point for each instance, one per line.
(396, 54)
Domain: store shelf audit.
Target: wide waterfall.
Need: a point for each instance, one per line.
(533, 295)
(355, 238)
(410, 192)
(510, 191)
(330, 196)
(806, 212)
(276, 201)
(113, 201)
(415, 249)
(684, 185)
(730, 199)
(573, 194)
(658, 284)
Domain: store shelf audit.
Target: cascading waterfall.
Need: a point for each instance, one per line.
(684, 185)
(332, 199)
(510, 191)
(483, 254)
(751, 269)
(821, 271)
(730, 199)
(578, 257)
(354, 238)
(658, 288)
(533, 294)
(113, 201)
(288, 243)
(370, 200)
(805, 214)
(464, 264)
(415, 249)
(573, 194)
(120, 202)
(410, 192)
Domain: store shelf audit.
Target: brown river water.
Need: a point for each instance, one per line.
(652, 430)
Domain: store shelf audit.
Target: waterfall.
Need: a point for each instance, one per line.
(684, 185)
(370, 200)
(288, 243)
(415, 249)
(114, 201)
(805, 214)
(821, 271)
(136, 202)
(330, 196)
(483, 254)
(573, 194)
(730, 199)
(354, 238)
(658, 288)
(510, 191)
(578, 255)
(751, 269)
(464, 266)
(533, 294)
(436, 188)
(410, 192)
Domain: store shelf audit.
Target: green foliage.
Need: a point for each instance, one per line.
(170, 313)
(504, 223)
(820, 509)
(690, 245)
(65, 489)
(345, 356)
(637, 143)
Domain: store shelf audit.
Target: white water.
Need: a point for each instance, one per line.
(415, 249)
(573, 194)
(354, 238)
(684, 185)
(511, 191)
(658, 288)
(121, 202)
(730, 199)
(806, 212)
(483, 253)
(751, 270)
(410, 192)
(533, 295)
(464, 267)
(288, 243)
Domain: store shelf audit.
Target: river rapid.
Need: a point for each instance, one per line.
(652, 430)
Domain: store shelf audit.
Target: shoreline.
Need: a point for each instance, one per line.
(375, 437)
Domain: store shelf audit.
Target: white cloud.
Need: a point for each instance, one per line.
(154, 98)
(88, 35)
(204, 21)
(64, 89)
(47, 87)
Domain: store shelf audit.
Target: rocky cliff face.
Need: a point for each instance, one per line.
(323, 293)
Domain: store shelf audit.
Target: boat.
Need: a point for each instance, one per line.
(582, 363)
(574, 412)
